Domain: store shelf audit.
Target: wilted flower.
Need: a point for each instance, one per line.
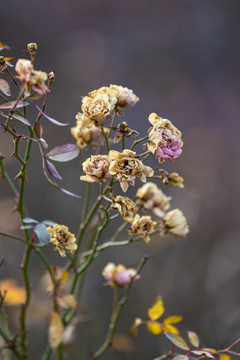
(31, 78)
(125, 206)
(175, 180)
(125, 97)
(164, 139)
(98, 108)
(96, 168)
(153, 198)
(126, 166)
(119, 275)
(176, 223)
(62, 239)
(156, 327)
(142, 226)
(83, 134)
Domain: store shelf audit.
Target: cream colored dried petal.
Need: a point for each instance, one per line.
(96, 168)
(31, 78)
(62, 239)
(175, 180)
(125, 97)
(153, 198)
(142, 226)
(83, 134)
(114, 93)
(176, 223)
(125, 206)
(126, 167)
(99, 107)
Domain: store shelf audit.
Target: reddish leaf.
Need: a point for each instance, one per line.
(203, 353)
(53, 121)
(38, 129)
(21, 118)
(52, 170)
(4, 87)
(63, 152)
(177, 340)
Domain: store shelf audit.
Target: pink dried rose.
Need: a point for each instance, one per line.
(164, 139)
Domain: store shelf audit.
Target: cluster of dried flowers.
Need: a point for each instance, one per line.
(114, 166)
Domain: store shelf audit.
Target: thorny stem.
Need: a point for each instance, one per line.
(117, 308)
(15, 82)
(14, 107)
(11, 344)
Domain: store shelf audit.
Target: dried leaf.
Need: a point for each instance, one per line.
(13, 294)
(154, 327)
(63, 152)
(67, 301)
(38, 129)
(21, 118)
(4, 87)
(193, 338)
(53, 121)
(177, 340)
(55, 330)
(180, 357)
(10, 104)
(224, 357)
(52, 170)
(156, 310)
(203, 353)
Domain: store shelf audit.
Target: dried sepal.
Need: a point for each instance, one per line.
(67, 301)
(55, 330)
(4, 87)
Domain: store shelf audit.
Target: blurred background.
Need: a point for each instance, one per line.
(181, 57)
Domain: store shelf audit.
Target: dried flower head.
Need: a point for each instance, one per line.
(62, 239)
(175, 180)
(125, 206)
(176, 223)
(126, 166)
(96, 168)
(164, 139)
(119, 275)
(83, 134)
(125, 97)
(31, 78)
(142, 226)
(153, 198)
(98, 108)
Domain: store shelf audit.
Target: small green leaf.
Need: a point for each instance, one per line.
(177, 340)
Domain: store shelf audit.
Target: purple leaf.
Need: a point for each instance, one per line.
(43, 142)
(63, 152)
(52, 170)
(21, 118)
(53, 121)
(10, 104)
(4, 87)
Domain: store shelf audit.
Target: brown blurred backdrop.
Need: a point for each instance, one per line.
(181, 57)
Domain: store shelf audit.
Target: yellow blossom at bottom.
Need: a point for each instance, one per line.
(62, 239)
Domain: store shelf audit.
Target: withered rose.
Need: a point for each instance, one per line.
(152, 198)
(142, 226)
(164, 139)
(31, 78)
(119, 275)
(125, 97)
(98, 108)
(96, 168)
(176, 223)
(126, 167)
(125, 206)
(83, 134)
(62, 239)
(175, 180)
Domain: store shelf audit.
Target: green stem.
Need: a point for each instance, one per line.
(106, 139)
(138, 141)
(7, 178)
(15, 82)
(123, 142)
(117, 308)
(11, 345)
(86, 201)
(12, 237)
(113, 120)
(47, 353)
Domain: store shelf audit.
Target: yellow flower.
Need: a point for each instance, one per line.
(125, 206)
(62, 239)
(126, 166)
(12, 293)
(156, 327)
(83, 133)
(176, 223)
(142, 226)
(31, 78)
(153, 198)
(96, 168)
